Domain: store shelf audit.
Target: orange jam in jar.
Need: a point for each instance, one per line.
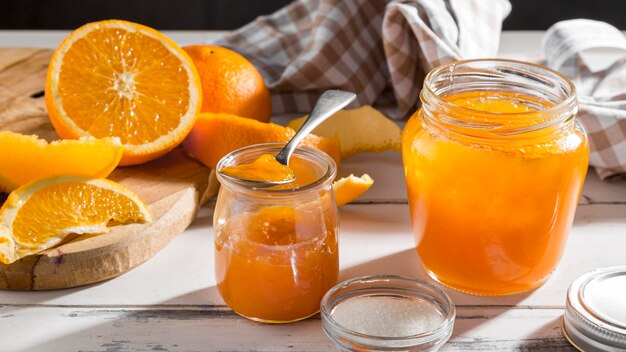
(264, 169)
(276, 248)
(494, 163)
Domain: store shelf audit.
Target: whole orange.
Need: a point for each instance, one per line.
(230, 83)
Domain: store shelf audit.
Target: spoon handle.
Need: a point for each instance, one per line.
(327, 104)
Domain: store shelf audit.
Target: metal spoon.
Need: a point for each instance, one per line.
(327, 104)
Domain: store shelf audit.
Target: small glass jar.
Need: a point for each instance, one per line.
(494, 163)
(276, 248)
(387, 313)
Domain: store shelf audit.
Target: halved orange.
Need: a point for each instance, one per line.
(41, 214)
(26, 158)
(121, 79)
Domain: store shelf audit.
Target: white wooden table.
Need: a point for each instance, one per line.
(170, 303)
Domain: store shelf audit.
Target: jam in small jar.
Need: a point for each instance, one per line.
(276, 248)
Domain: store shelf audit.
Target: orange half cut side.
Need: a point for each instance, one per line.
(121, 79)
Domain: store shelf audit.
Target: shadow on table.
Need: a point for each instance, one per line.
(376, 220)
(503, 336)
(172, 326)
(598, 213)
(187, 323)
(404, 263)
(557, 342)
(198, 298)
(407, 263)
(40, 297)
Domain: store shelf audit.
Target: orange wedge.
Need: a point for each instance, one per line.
(121, 79)
(350, 188)
(41, 214)
(30, 158)
(216, 135)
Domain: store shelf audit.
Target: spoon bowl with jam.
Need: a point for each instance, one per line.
(269, 170)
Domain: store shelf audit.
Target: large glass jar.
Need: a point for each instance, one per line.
(276, 248)
(494, 163)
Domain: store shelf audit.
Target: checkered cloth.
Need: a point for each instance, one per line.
(593, 55)
(382, 51)
(379, 49)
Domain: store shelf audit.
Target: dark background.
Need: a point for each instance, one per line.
(230, 14)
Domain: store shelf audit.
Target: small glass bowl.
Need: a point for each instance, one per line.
(393, 287)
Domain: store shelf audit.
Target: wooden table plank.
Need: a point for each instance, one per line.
(218, 329)
(502, 329)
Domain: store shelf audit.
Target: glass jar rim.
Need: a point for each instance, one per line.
(304, 151)
(442, 332)
(567, 103)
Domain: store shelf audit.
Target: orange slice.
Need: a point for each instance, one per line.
(216, 135)
(121, 79)
(41, 214)
(350, 188)
(31, 158)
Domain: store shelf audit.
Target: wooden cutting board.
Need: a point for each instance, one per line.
(173, 187)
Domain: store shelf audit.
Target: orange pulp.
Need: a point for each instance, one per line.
(264, 169)
(492, 218)
(274, 263)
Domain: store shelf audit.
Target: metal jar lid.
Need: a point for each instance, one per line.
(595, 312)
